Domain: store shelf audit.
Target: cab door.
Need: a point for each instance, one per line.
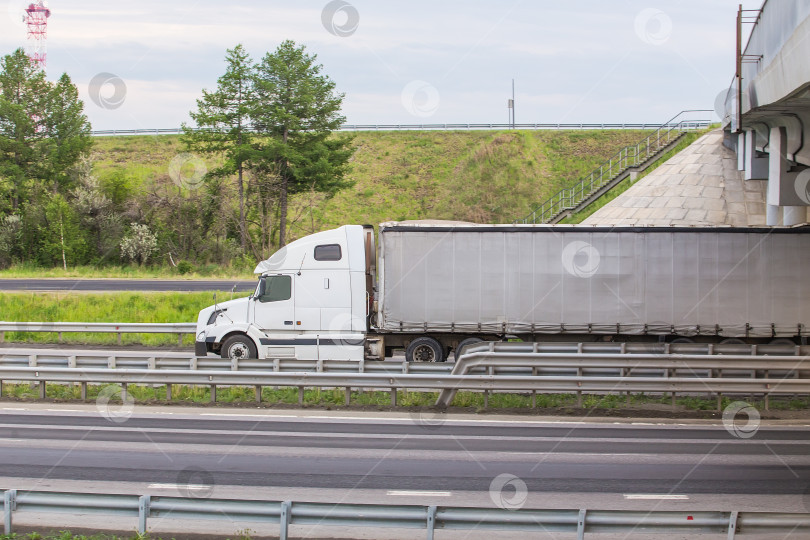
(274, 313)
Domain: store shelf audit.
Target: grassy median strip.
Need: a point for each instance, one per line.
(123, 307)
(110, 396)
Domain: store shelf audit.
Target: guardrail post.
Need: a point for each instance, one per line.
(767, 394)
(84, 391)
(431, 521)
(257, 390)
(393, 397)
(143, 512)
(347, 395)
(300, 396)
(732, 525)
(581, 524)
(9, 505)
(284, 519)
(168, 392)
(213, 393)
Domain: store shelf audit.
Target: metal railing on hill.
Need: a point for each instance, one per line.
(409, 127)
(634, 158)
(428, 518)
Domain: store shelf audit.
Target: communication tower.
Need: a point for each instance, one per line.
(36, 21)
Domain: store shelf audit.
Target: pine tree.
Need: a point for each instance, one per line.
(296, 109)
(223, 119)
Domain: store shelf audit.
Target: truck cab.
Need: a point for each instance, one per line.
(312, 301)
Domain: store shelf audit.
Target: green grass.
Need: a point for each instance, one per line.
(479, 176)
(67, 535)
(209, 271)
(104, 307)
(335, 398)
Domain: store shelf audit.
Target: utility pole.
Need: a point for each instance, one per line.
(511, 107)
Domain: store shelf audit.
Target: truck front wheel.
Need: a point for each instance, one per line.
(424, 349)
(238, 347)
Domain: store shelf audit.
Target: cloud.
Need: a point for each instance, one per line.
(577, 63)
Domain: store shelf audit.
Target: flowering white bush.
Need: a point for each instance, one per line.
(139, 244)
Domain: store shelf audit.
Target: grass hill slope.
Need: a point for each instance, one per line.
(479, 176)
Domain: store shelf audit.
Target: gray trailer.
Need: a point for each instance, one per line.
(442, 286)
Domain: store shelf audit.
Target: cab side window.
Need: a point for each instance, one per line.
(275, 288)
(328, 252)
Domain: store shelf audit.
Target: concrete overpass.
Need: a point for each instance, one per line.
(766, 110)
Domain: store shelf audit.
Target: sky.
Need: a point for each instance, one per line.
(142, 64)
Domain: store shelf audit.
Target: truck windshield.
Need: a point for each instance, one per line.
(274, 288)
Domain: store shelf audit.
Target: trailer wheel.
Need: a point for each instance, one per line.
(238, 347)
(424, 349)
(464, 343)
(682, 340)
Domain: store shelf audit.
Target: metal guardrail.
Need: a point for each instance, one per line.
(106, 328)
(647, 150)
(773, 366)
(571, 384)
(429, 518)
(407, 127)
(159, 360)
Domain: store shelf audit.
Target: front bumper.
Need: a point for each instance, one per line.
(200, 348)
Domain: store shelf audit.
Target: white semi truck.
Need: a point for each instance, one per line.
(431, 288)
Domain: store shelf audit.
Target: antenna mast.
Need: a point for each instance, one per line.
(36, 21)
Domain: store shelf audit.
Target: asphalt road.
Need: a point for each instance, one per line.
(414, 453)
(113, 285)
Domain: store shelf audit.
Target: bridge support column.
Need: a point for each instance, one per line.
(794, 215)
(773, 215)
(782, 183)
(756, 168)
(740, 146)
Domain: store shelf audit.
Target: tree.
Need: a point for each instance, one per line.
(23, 95)
(222, 116)
(296, 109)
(43, 131)
(67, 133)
